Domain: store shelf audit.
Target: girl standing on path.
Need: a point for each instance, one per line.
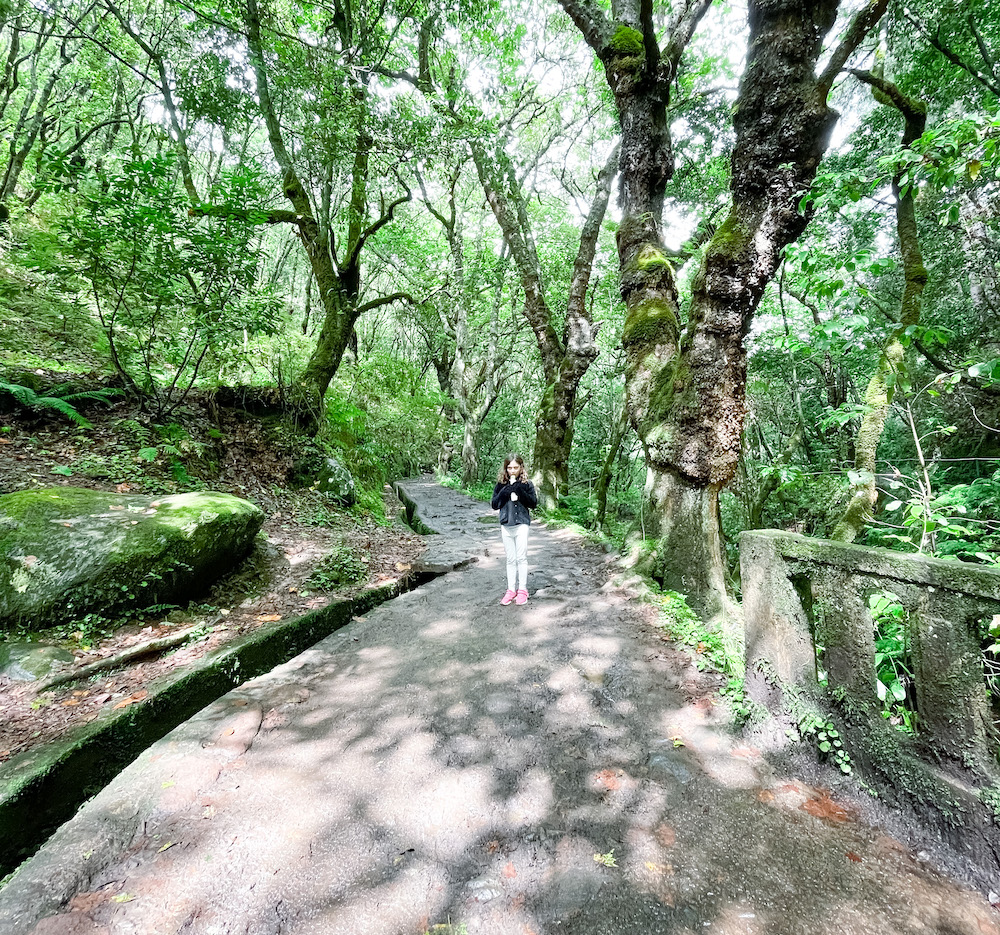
(513, 496)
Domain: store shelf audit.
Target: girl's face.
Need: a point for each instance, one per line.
(513, 470)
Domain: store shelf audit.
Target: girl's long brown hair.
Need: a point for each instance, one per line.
(502, 476)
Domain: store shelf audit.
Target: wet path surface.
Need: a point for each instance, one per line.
(446, 761)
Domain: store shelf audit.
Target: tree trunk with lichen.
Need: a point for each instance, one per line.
(554, 425)
(685, 390)
(891, 364)
(566, 355)
(338, 279)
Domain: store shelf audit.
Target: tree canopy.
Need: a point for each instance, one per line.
(709, 267)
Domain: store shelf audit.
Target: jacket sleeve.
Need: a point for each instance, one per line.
(501, 494)
(526, 494)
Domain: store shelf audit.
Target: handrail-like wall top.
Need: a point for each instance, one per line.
(976, 581)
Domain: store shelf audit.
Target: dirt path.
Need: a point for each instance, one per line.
(449, 765)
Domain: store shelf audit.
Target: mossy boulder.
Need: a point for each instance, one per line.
(337, 481)
(66, 552)
(27, 662)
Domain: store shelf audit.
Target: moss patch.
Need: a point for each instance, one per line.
(627, 41)
(625, 50)
(66, 552)
(650, 322)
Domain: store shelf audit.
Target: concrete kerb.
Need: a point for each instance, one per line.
(44, 787)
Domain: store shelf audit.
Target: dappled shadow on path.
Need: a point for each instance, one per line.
(447, 761)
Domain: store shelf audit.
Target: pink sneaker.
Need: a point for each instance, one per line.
(508, 597)
(522, 597)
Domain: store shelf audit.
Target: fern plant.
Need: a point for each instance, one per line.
(58, 400)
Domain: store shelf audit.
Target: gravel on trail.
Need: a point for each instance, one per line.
(447, 765)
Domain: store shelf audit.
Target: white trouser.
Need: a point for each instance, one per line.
(515, 544)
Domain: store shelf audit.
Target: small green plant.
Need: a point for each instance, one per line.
(85, 631)
(59, 400)
(824, 734)
(683, 625)
(606, 860)
(893, 670)
(369, 503)
(990, 797)
(341, 568)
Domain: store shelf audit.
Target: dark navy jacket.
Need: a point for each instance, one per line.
(515, 513)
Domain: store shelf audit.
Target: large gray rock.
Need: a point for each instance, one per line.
(27, 662)
(66, 552)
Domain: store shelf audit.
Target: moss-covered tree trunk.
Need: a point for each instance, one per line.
(474, 388)
(603, 482)
(878, 395)
(338, 279)
(685, 391)
(566, 356)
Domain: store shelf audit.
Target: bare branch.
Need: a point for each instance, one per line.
(861, 25)
(590, 20)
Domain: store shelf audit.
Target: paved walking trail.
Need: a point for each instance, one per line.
(449, 765)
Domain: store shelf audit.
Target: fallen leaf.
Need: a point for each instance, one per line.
(70, 702)
(132, 699)
(492, 847)
(823, 807)
(402, 566)
(123, 898)
(80, 694)
(226, 733)
(608, 779)
(123, 488)
(165, 846)
(29, 560)
(268, 618)
(765, 795)
(852, 856)
(509, 872)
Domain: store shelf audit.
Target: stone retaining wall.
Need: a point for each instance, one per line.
(801, 593)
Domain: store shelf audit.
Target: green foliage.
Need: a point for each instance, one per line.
(825, 736)
(170, 289)
(383, 420)
(682, 624)
(59, 400)
(893, 668)
(341, 568)
(961, 519)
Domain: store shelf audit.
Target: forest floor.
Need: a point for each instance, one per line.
(445, 764)
(301, 529)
